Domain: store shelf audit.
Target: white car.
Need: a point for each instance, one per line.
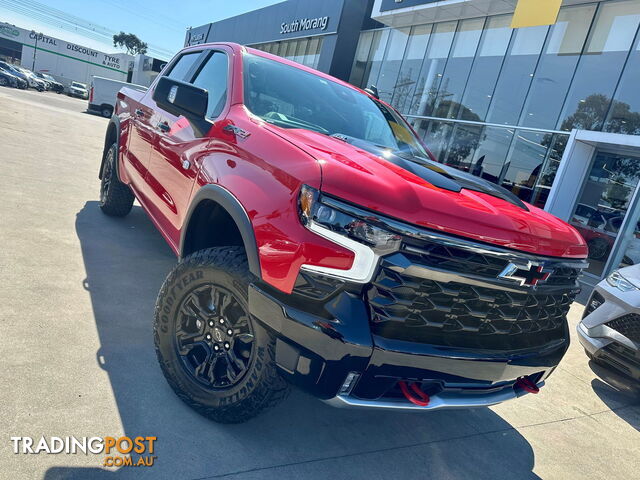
(77, 89)
(610, 326)
(34, 82)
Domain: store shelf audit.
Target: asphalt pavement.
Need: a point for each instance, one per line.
(76, 355)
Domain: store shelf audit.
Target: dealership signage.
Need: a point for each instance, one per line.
(304, 24)
(9, 31)
(40, 38)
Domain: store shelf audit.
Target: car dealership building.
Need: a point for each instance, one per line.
(550, 112)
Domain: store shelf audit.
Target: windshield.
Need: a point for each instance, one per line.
(289, 97)
(78, 85)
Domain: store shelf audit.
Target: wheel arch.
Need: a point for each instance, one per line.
(214, 204)
(112, 135)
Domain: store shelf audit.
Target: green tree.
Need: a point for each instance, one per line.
(131, 42)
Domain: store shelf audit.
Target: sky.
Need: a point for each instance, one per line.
(160, 23)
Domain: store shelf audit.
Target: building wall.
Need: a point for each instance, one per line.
(499, 102)
(65, 61)
(321, 34)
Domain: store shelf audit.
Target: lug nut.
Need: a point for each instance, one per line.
(208, 337)
(226, 345)
(211, 323)
(216, 347)
(222, 320)
(229, 332)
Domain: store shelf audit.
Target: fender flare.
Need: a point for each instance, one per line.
(234, 208)
(114, 121)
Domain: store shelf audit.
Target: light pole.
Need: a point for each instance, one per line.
(35, 47)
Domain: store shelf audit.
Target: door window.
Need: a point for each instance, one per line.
(181, 68)
(213, 77)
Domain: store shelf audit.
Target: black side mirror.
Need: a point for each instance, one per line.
(181, 98)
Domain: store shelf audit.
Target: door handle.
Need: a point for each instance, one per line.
(139, 113)
(164, 126)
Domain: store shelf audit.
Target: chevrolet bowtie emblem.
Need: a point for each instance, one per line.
(530, 274)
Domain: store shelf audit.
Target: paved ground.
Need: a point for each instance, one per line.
(76, 356)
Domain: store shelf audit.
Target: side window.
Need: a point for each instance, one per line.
(182, 66)
(213, 78)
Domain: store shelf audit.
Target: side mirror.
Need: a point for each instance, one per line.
(181, 98)
(373, 90)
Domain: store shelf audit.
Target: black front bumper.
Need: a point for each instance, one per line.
(317, 350)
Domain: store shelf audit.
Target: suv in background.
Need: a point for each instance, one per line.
(79, 90)
(52, 83)
(320, 243)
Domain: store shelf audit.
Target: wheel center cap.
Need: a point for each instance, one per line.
(218, 335)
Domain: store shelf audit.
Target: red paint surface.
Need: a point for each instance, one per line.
(265, 171)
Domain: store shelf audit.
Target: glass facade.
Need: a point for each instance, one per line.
(500, 102)
(302, 50)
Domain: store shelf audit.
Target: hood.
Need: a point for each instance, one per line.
(428, 194)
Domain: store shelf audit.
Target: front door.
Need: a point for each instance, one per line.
(177, 152)
(604, 203)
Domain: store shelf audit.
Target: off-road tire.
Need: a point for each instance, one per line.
(261, 387)
(116, 198)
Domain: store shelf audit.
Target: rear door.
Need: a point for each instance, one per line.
(176, 153)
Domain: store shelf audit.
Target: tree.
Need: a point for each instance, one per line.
(131, 42)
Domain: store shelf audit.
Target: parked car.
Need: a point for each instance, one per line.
(610, 326)
(8, 80)
(102, 94)
(34, 81)
(52, 83)
(77, 89)
(13, 70)
(321, 243)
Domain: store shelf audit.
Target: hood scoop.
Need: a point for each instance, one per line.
(436, 174)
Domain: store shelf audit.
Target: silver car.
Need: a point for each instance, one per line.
(610, 326)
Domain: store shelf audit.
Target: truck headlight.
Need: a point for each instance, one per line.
(368, 242)
(621, 283)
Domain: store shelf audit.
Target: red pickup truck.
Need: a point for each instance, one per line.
(321, 245)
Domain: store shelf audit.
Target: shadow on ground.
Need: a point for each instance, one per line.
(126, 261)
(614, 390)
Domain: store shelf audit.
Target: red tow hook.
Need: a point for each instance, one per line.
(527, 385)
(423, 401)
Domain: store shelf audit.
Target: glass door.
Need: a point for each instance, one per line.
(603, 206)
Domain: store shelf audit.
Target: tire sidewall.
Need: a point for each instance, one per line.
(188, 278)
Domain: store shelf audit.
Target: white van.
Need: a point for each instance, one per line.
(102, 94)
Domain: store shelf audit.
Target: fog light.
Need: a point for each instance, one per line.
(349, 383)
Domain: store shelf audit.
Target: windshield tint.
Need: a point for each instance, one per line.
(78, 85)
(293, 98)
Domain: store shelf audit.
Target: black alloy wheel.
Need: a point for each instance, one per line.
(213, 337)
(107, 176)
(216, 356)
(116, 198)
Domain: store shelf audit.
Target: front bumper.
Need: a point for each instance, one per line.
(604, 343)
(317, 351)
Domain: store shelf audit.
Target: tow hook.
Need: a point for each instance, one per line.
(422, 398)
(527, 385)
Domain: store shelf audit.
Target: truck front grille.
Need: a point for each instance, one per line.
(452, 297)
